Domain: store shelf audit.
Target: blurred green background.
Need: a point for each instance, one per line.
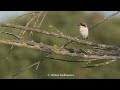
(66, 22)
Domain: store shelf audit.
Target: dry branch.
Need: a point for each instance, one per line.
(103, 52)
(102, 46)
(12, 34)
(100, 64)
(54, 49)
(105, 19)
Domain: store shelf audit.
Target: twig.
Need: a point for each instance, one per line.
(75, 45)
(28, 14)
(38, 16)
(105, 19)
(37, 63)
(65, 60)
(28, 23)
(12, 34)
(55, 29)
(100, 64)
(42, 19)
(16, 35)
(37, 67)
(33, 17)
(37, 19)
(66, 44)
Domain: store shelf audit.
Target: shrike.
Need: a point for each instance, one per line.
(84, 30)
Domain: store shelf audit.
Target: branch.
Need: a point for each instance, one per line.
(12, 34)
(65, 60)
(100, 64)
(103, 46)
(28, 14)
(42, 19)
(105, 19)
(22, 70)
(54, 49)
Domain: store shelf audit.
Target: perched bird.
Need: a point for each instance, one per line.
(84, 30)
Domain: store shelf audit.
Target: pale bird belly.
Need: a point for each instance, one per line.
(84, 32)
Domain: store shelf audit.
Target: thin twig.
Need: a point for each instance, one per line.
(38, 65)
(22, 70)
(12, 34)
(75, 45)
(37, 19)
(38, 16)
(27, 14)
(42, 19)
(69, 43)
(21, 31)
(55, 29)
(100, 64)
(66, 44)
(33, 17)
(66, 60)
(28, 23)
(105, 19)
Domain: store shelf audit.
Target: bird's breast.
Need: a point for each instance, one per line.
(84, 32)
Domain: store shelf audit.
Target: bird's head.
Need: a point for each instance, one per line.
(82, 24)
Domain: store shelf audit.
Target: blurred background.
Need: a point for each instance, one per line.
(66, 22)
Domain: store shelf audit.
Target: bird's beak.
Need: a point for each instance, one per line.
(78, 25)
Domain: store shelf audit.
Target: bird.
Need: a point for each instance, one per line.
(84, 32)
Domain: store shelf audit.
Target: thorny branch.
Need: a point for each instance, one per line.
(22, 33)
(99, 51)
(102, 46)
(54, 49)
